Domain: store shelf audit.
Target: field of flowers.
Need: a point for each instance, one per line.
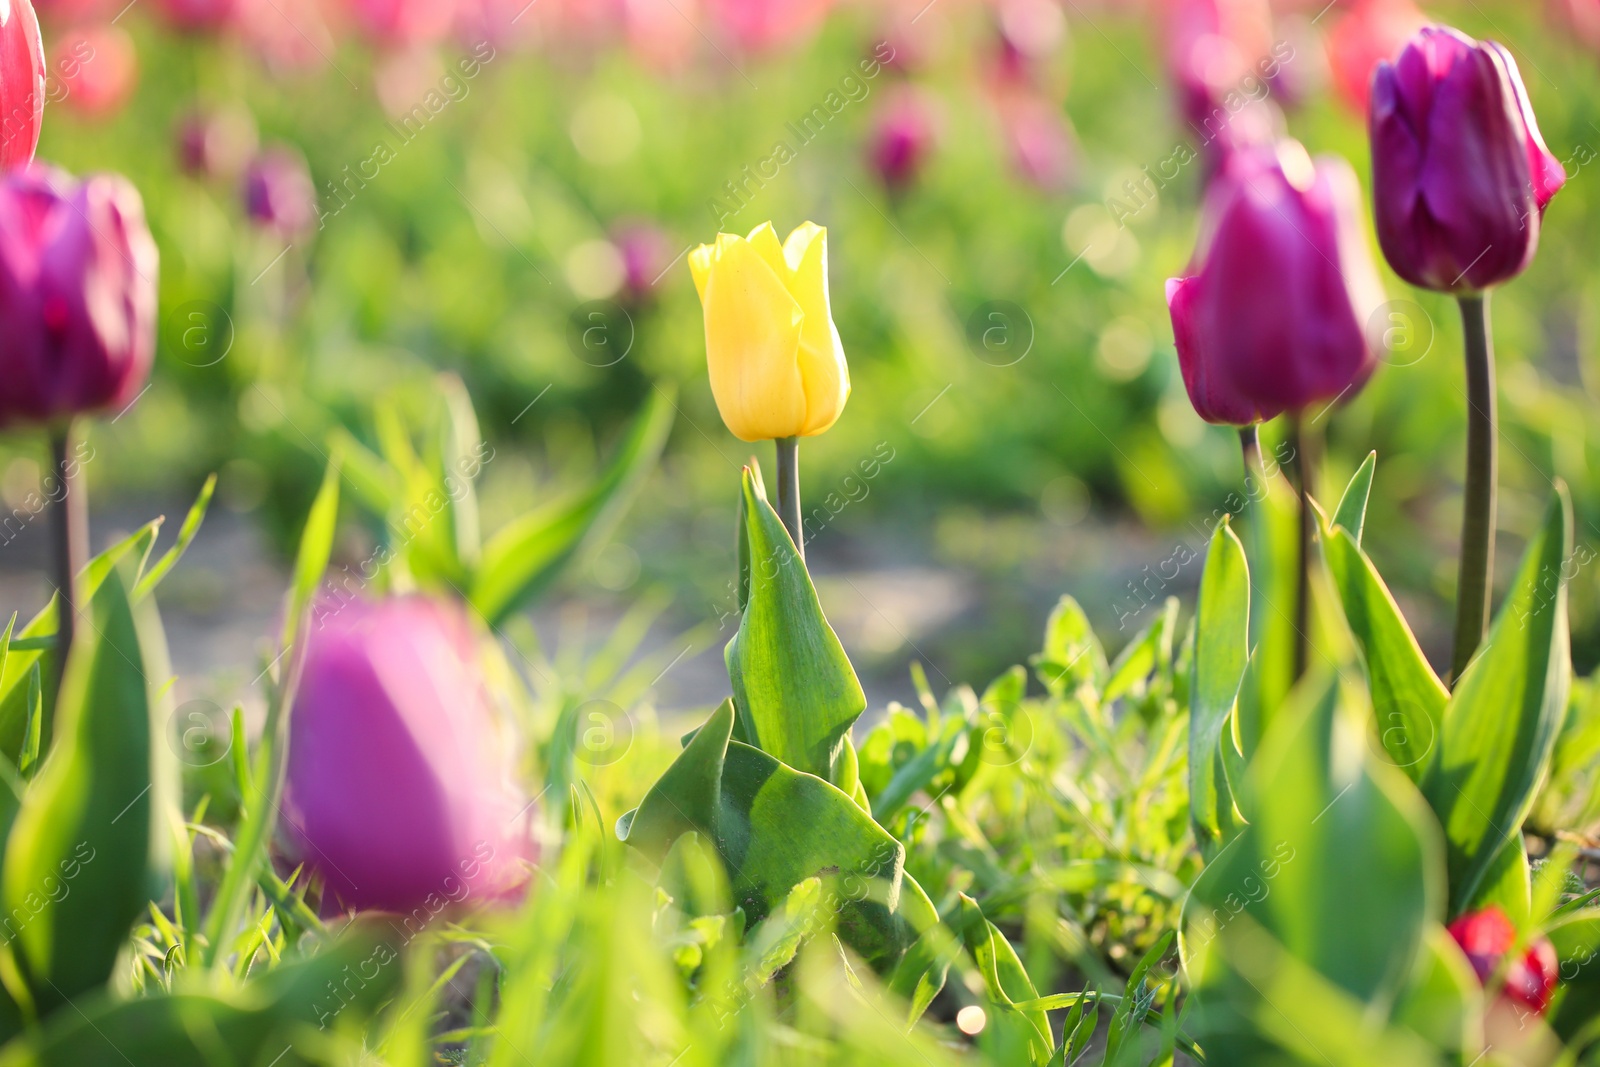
(1194, 398)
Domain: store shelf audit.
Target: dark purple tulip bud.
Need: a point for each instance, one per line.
(77, 295)
(21, 82)
(903, 137)
(1460, 173)
(279, 194)
(1274, 314)
(400, 787)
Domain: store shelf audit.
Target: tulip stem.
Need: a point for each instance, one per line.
(1302, 600)
(789, 489)
(1478, 517)
(70, 529)
(1250, 446)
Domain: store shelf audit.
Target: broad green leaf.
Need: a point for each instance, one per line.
(1352, 510)
(1222, 650)
(774, 827)
(1501, 723)
(1442, 1000)
(266, 1021)
(1507, 884)
(1341, 869)
(524, 558)
(1570, 799)
(795, 690)
(1576, 938)
(186, 535)
(87, 851)
(1408, 700)
(1018, 1035)
(1072, 655)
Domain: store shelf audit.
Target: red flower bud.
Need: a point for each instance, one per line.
(1460, 172)
(1273, 316)
(1486, 936)
(77, 295)
(21, 82)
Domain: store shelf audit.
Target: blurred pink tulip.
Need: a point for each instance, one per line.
(21, 82)
(646, 253)
(403, 22)
(98, 67)
(279, 194)
(200, 16)
(1041, 142)
(758, 25)
(903, 136)
(216, 143)
(77, 295)
(1274, 313)
(1372, 32)
(1222, 61)
(400, 789)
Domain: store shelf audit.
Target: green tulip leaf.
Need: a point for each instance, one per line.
(1408, 700)
(1072, 654)
(1507, 884)
(1341, 869)
(1501, 723)
(86, 854)
(1352, 510)
(774, 827)
(524, 558)
(1020, 1035)
(1222, 650)
(1273, 534)
(797, 694)
(1576, 939)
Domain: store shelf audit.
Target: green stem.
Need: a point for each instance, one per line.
(1478, 518)
(1250, 446)
(70, 532)
(789, 489)
(1302, 601)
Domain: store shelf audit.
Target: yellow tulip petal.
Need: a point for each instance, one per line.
(764, 239)
(700, 261)
(752, 339)
(822, 364)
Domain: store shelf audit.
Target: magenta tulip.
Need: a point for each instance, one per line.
(400, 787)
(903, 137)
(1461, 175)
(279, 194)
(1273, 316)
(77, 295)
(21, 82)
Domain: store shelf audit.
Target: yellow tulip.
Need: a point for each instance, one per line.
(777, 367)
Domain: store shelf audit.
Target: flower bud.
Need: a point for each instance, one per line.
(21, 82)
(279, 194)
(1273, 316)
(777, 365)
(902, 138)
(646, 252)
(1460, 173)
(1486, 936)
(399, 787)
(77, 294)
(216, 144)
(99, 69)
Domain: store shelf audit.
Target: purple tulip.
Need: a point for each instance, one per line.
(646, 253)
(400, 787)
(215, 144)
(77, 295)
(903, 138)
(1460, 173)
(1273, 316)
(279, 194)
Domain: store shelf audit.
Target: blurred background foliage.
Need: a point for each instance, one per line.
(1059, 453)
